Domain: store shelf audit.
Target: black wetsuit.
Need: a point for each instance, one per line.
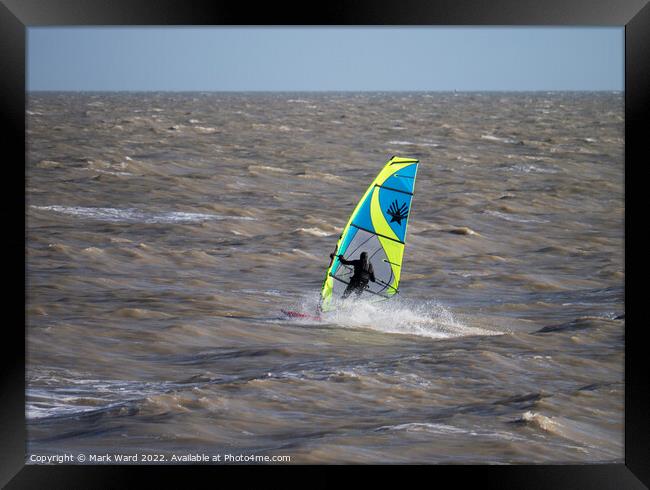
(363, 272)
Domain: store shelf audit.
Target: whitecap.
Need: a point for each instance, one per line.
(516, 219)
(133, 215)
(61, 396)
(445, 429)
(424, 427)
(206, 129)
(314, 231)
(498, 139)
(528, 168)
(411, 143)
(119, 174)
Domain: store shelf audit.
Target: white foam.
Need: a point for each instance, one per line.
(268, 292)
(62, 396)
(423, 318)
(133, 215)
(449, 430)
(206, 129)
(314, 231)
(528, 168)
(411, 143)
(267, 168)
(425, 427)
(515, 219)
(584, 433)
(285, 128)
(498, 139)
(120, 174)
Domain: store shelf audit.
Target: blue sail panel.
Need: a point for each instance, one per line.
(402, 180)
(362, 217)
(396, 207)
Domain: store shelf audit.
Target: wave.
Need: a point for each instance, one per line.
(423, 427)
(516, 219)
(141, 313)
(587, 434)
(206, 129)
(530, 168)
(497, 139)
(314, 231)
(444, 429)
(60, 396)
(266, 168)
(411, 143)
(133, 215)
(49, 164)
(108, 172)
(582, 323)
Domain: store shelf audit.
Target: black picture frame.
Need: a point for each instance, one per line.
(17, 15)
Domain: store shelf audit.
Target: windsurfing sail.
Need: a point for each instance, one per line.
(377, 226)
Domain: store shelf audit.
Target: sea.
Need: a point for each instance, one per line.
(166, 232)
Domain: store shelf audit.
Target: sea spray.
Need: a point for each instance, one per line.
(427, 318)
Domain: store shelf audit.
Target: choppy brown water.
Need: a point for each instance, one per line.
(166, 231)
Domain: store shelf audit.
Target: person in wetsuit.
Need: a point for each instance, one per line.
(363, 272)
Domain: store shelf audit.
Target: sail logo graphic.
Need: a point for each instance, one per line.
(398, 212)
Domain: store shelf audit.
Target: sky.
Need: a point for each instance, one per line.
(325, 58)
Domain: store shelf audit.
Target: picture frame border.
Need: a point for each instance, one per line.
(16, 16)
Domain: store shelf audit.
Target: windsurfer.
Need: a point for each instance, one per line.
(363, 272)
